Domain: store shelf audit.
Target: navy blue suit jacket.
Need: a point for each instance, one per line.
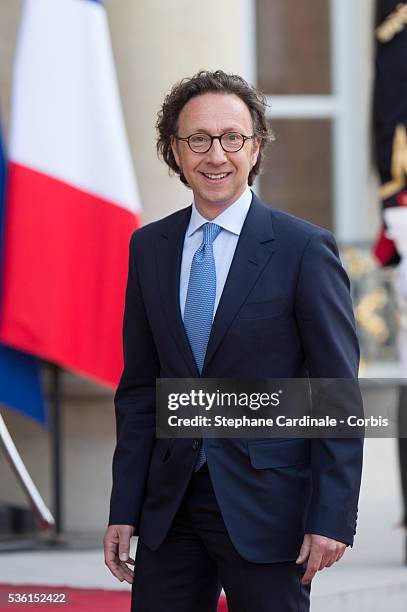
(285, 312)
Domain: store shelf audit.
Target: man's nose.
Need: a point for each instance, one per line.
(216, 154)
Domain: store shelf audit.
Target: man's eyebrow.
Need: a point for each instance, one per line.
(224, 131)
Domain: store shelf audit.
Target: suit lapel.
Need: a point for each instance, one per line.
(169, 254)
(253, 251)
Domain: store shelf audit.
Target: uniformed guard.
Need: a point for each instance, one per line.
(390, 133)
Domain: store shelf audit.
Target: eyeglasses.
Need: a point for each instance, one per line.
(231, 142)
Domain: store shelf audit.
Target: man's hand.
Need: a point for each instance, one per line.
(321, 552)
(117, 547)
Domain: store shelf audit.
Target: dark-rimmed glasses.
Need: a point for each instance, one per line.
(231, 142)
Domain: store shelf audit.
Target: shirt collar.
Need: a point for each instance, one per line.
(231, 219)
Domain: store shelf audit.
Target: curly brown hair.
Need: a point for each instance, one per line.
(210, 82)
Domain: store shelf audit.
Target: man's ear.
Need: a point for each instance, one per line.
(255, 150)
(175, 152)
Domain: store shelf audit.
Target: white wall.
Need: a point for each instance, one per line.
(157, 43)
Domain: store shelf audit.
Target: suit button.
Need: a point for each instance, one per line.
(195, 444)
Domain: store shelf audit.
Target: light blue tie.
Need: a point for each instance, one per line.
(200, 302)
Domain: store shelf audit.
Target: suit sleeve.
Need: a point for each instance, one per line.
(134, 404)
(325, 318)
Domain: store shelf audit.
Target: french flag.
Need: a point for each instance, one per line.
(72, 198)
(20, 375)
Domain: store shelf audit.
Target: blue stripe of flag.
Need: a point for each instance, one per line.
(20, 376)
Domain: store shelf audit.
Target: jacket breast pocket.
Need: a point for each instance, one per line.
(279, 454)
(263, 310)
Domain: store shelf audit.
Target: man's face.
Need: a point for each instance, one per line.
(217, 178)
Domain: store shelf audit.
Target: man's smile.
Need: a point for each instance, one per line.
(215, 177)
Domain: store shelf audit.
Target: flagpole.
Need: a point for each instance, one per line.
(56, 448)
(24, 478)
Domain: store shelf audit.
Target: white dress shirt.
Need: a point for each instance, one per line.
(231, 221)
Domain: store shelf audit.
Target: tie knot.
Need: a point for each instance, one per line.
(210, 232)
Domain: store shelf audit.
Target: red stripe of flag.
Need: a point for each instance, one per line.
(65, 273)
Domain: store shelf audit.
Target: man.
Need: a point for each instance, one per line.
(228, 288)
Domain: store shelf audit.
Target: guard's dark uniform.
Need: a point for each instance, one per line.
(390, 129)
